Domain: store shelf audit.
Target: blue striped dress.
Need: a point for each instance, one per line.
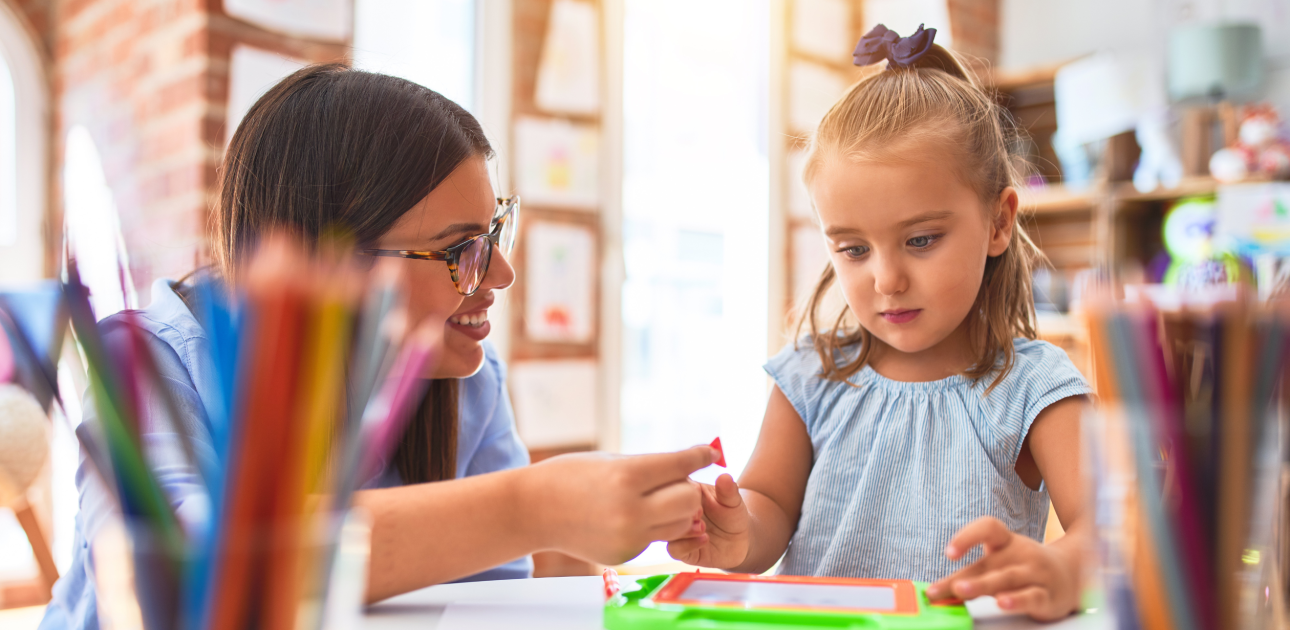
(899, 467)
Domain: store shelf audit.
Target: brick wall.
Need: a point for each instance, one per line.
(975, 25)
(149, 80)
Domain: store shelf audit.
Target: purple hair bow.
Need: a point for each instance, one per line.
(883, 43)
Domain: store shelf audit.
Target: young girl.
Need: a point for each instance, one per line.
(922, 434)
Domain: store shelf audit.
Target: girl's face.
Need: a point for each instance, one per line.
(909, 241)
(460, 207)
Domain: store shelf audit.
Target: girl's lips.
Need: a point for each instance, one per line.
(901, 316)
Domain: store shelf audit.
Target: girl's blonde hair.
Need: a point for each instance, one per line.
(936, 99)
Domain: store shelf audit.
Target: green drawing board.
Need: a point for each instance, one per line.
(712, 601)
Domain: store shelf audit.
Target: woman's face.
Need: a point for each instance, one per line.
(460, 207)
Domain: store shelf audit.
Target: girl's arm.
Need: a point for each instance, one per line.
(1040, 580)
(594, 506)
(748, 530)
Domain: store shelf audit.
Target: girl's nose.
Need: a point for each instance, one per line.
(888, 277)
(500, 272)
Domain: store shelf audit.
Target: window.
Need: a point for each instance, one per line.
(695, 218)
(431, 43)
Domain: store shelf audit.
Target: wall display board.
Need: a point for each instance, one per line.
(557, 163)
(568, 75)
(555, 401)
(560, 273)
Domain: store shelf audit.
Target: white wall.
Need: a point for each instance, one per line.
(1042, 32)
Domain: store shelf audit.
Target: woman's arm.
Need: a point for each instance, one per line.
(594, 506)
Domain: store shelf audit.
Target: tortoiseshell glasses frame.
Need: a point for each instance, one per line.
(468, 260)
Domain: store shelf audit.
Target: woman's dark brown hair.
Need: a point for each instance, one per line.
(331, 149)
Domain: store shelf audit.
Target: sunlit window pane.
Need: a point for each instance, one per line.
(431, 43)
(695, 204)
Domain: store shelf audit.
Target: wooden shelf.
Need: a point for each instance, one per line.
(1056, 199)
(1188, 187)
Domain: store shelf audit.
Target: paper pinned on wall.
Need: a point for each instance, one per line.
(252, 72)
(809, 259)
(559, 282)
(327, 19)
(799, 199)
(568, 75)
(813, 89)
(557, 163)
(555, 402)
(823, 28)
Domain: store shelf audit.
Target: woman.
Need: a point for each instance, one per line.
(402, 170)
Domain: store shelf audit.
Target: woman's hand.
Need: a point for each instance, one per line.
(1023, 575)
(608, 508)
(721, 538)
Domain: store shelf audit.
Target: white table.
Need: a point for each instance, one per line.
(575, 603)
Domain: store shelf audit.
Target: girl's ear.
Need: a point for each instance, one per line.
(1005, 216)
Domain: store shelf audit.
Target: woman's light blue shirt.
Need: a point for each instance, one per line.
(899, 467)
(487, 442)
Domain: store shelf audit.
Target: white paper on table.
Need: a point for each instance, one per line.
(505, 615)
(809, 259)
(555, 401)
(252, 72)
(559, 282)
(813, 89)
(904, 17)
(823, 28)
(328, 19)
(568, 75)
(557, 163)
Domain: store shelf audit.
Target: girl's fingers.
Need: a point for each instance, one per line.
(941, 587)
(727, 492)
(685, 548)
(1008, 579)
(987, 531)
(1032, 600)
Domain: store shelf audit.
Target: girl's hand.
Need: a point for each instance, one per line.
(721, 538)
(608, 508)
(1023, 575)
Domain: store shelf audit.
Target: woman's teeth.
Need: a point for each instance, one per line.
(470, 319)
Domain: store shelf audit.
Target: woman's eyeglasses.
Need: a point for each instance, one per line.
(468, 260)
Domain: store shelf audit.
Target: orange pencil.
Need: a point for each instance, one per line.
(276, 308)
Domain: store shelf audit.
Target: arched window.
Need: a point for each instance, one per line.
(23, 153)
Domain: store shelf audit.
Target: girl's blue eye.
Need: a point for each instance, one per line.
(923, 242)
(855, 252)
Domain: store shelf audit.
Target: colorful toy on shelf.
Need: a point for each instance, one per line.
(1261, 151)
(1188, 235)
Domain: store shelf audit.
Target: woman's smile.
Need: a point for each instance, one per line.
(472, 321)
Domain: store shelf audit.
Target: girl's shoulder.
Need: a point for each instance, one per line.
(1041, 374)
(1036, 362)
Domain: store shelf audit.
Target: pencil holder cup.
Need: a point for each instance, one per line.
(302, 577)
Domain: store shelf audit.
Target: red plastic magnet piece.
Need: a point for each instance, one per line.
(721, 460)
(612, 585)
